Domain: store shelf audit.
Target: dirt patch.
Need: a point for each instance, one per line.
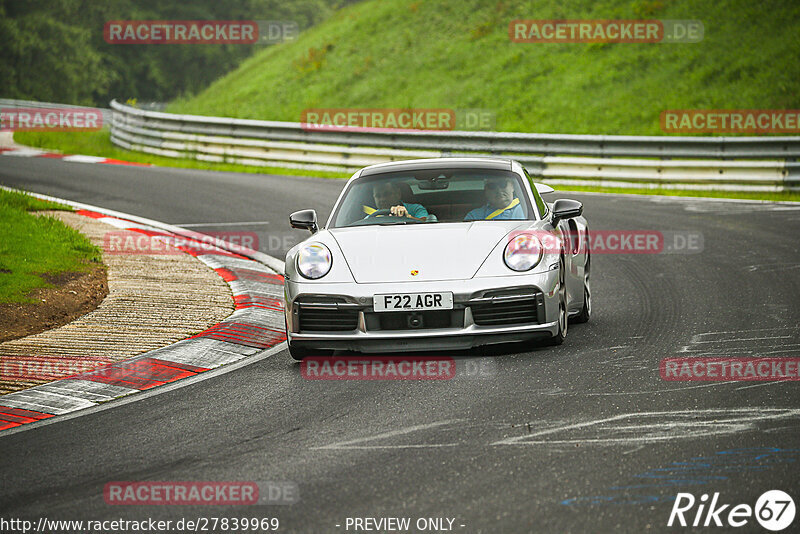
(75, 294)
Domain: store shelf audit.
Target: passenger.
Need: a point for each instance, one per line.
(500, 202)
(388, 195)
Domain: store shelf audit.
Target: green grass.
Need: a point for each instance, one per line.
(34, 245)
(25, 202)
(457, 54)
(99, 144)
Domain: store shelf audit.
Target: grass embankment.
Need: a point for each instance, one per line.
(32, 246)
(458, 55)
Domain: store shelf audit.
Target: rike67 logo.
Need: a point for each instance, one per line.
(774, 510)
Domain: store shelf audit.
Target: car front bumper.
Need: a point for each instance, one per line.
(536, 292)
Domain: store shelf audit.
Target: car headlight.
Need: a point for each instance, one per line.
(314, 260)
(523, 252)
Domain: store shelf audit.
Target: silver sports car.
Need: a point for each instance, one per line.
(435, 254)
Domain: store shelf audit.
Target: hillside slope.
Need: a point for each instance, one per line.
(457, 54)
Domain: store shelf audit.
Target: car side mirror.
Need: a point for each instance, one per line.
(304, 220)
(565, 208)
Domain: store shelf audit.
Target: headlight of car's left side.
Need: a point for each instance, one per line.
(314, 260)
(523, 252)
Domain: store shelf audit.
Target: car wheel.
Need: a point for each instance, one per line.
(586, 312)
(563, 320)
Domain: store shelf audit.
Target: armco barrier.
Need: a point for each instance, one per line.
(6, 103)
(767, 163)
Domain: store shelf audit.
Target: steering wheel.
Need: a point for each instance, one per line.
(379, 213)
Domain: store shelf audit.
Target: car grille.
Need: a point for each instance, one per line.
(431, 319)
(327, 320)
(509, 312)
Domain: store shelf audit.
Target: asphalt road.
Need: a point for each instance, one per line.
(585, 437)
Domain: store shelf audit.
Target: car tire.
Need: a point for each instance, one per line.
(563, 314)
(586, 311)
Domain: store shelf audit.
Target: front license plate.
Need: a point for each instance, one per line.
(413, 302)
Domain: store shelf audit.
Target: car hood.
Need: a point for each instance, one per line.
(443, 251)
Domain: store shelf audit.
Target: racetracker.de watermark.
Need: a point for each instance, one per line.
(759, 121)
(127, 242)
(52, 119)
(396, 119)
(396, 368)
(36, 368)
(199, 31)
(721, 369)
(378, 368)
(239, 493)
(605, 31)
(609, 241)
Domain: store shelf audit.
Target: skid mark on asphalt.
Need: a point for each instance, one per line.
(759, 342)
(629, 430)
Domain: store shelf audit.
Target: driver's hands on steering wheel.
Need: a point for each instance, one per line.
(399, 211)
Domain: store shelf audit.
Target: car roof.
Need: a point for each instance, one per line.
(438, 163)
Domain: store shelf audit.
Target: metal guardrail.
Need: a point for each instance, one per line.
(732, 163)
(13, 103)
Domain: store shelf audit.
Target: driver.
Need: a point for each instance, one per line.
(500, 202)
(388, 195)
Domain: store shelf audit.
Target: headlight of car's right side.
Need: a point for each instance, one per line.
(523, 252)
(314, 260)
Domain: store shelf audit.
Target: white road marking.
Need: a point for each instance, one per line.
(739, 331)
(633, 429)
(350, 444)
(77, 158)
(653, 391)
(772, 267)
(771, 341)
(684, 424)
(766, 383)
(737, 339)
(24, 152)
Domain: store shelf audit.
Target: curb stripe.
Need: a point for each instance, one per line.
(31, 152)
(24, 413)
(255, 325)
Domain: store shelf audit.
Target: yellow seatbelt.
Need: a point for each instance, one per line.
(369, 210)
(495, 213)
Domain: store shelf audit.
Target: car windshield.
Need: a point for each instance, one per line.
(431, 196)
